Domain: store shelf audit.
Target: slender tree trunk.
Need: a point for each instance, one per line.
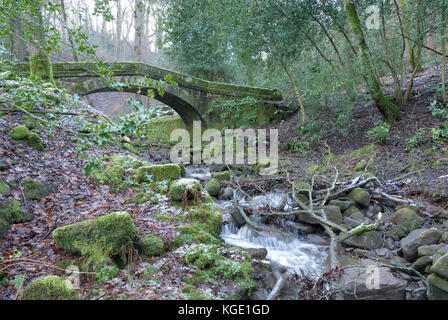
(40, 65)
(69, 34)
(138, 20)
(118, 33)
(388, 109)
(444, 43)
(405, 22)
(297, 93)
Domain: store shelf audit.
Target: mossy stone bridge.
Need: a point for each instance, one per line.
(190, 98)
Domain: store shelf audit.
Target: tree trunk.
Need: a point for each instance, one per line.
(138, 20)
(388, 109)
(118, 29)
(405, 22)
(444, 41)
(40, 65)
(297, 93)
(69, 34)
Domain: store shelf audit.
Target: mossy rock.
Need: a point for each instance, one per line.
(163, 172)
(103, 266)
(129, 147)
(112, 235)
(343, 203)
(221, 176)
(360, 196)
(302, 187)
(19, 133)
(360, 166)
(11, 211)
(191, 188)
(351, 210)
(208, 214)
(202, 255)
(213, 187)
(364, 151)
(369, 240)
(36, 191)
(406, 219)
(5, 189)
(194, 233)
(440, 267)
(35, 141)
(152, 246)
(333, 213)
(50, 288)
(437, 288)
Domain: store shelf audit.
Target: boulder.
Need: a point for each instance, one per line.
(360, 196)
(36, 191)
(213, 187)
(333, 213)
(111, 235)
(407, 219)
(421, 263)
(342, 203)
(418, 238)
(437, 288)
(237, 217)
(152, 246)
(10, 213)
(257, 253)
(185, 186)
(162, 172)
(429, 250)
(368, 240)
(221, 176)
(440, 267)
(50, 288)
(359, 282)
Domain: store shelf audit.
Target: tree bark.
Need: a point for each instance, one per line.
(388, 109)
(138, 20)
(444, 41)
(69, 34)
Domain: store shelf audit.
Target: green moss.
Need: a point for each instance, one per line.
(406, 218)
(152, 246)
(360, 166)
(208, 214)
(35, 141)
(221, 176)
(34, 190)
(5, 190)
(11, 211)
(50, 288)
(19, 133)
(213, 187)
(130, 148)
(40, 67)
(437, 288)
(191, 188)
(312, 170)
(202, 255)
(4, 227)
(161, 128)
(162, 217)
(112, 235)
(3, 166)
(103, 266)
(195, 233)
(157, 173)
(364, 151)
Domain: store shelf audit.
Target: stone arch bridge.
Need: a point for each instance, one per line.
(190, 98)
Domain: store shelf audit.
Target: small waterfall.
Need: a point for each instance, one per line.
(287, 250)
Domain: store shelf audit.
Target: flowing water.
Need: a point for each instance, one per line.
(287, 248)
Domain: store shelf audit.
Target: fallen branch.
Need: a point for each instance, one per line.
(279, 284)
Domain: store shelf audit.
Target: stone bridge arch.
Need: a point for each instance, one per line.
(190, 98)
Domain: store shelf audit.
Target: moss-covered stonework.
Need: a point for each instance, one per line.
(163, 172)
(112, 235)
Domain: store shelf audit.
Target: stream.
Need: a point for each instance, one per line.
(288, 247)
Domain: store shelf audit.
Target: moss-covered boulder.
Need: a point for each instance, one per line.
(191, 234)
(36, 191)
(19, 133)
(343, 204)
(190, 188)
(421, 263)
(112, 235)
(440, 267)
(35, 141)
(418, 238)
(202, 255)
(360, 196)
(369, 240)
(406, 219)
(11, 211)
(5, 189)
(437, 287)
(155, 173)
(213, 187)
(332, 213)
(221, 176)
(152, 246)
(50, 288)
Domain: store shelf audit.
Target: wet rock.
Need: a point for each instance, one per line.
(213, 187)
(421, 263)
(368, 240)
(257, 253)
(191, 188)
(406, 219)
(440, 267)
(437, 287)
(333, 213)
(429, 250)
(418, 238)
(360, 282)
(342, 203)
(360, 196)
(225, 193)
(237, 217)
